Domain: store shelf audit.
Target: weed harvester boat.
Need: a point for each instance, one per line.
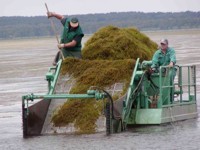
(154, 98)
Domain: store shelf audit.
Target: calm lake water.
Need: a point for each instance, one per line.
(23, 65)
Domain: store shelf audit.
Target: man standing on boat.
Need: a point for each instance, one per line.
(165, 56)
(70, 43)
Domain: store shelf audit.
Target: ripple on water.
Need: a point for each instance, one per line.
(24, 72)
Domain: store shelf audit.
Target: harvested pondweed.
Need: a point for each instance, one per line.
(113, 43)
(108, 58)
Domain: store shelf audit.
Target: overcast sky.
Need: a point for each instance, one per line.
(69, 7)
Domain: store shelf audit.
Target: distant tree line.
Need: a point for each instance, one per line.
(15, 27)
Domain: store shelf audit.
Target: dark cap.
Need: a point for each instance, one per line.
(74, 22)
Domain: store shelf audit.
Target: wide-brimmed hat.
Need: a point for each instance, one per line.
(164, 41)
(74, 22)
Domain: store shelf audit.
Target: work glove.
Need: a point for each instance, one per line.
(60, 46)
(50, 14)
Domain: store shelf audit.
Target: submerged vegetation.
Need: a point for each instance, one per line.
(108, 57)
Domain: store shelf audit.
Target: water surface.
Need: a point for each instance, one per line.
(23, 65)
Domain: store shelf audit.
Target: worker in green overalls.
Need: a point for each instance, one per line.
(70, 43)
(165, 56)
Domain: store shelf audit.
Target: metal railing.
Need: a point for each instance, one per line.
(183, 86)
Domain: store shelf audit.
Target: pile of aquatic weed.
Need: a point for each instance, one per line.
(102, 73)
(113, 43)
(108, 58)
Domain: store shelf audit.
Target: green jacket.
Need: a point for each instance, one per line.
(69, 34)
(160, 59)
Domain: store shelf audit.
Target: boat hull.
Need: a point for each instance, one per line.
(163, 115)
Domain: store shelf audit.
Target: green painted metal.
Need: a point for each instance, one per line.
(52, 76)
(145, 116)
(156, 92)
(91, 94)
(129, 99)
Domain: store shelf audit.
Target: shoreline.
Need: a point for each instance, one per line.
(192, 30)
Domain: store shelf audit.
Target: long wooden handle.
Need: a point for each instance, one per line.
(46, 7)
(54, 29)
